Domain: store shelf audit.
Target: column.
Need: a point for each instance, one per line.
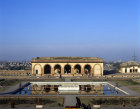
(42, 71)
(82, 88)
(62, 70)
(52, 70)
(92, 88)
(82, 70)
(52, 87)
(92, 71)
(72, 70)
(33, 70)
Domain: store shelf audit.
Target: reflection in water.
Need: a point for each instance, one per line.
(34, 89)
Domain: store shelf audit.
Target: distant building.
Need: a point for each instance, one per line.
(67, 66)
(130, 67)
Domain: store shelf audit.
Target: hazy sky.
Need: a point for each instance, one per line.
(109, 29)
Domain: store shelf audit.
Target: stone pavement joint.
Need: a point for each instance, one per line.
(70, 100)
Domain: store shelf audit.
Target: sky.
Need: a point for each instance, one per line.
(108, 29)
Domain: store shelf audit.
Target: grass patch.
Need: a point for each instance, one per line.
(7, 82)
(82, 80)
(135, 88)
(99, 80)
(49, 102)
(54, 80)
(57, 102)
(90, 80)
(129, 82)
(47, 80)
(110, 101)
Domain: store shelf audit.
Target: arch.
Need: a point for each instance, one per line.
(77, 69)
(37, 69)
(57, 69)
(67, 69)
(97, 70)
(87, 69)
(47, 69)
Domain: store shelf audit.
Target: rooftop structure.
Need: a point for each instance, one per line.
(67, 59)
(130, 64)
(130, 67)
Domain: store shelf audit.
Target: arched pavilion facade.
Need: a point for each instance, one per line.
(67, 66)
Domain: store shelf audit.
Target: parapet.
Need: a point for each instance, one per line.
(67, 59)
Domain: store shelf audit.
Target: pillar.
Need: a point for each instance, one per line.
(42, 71)
(72, 70)
(92, 71)
(52, 70)
(101, 72)
(82, 88)
(62, 70)
(92, 88)
(82, 71)
(52, 87)
(33, 70)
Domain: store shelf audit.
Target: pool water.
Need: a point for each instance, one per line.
(108, 90)
(32, 89)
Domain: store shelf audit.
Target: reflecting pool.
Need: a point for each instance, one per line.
(99, 89)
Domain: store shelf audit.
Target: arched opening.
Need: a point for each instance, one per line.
(97, 70)
(87, 69)
(57, 69)
(77, 69)
(37, 69)
(67, 69)
(47, 69)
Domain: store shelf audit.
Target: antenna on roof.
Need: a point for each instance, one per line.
(134, 56)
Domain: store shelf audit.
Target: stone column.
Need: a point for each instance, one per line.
(62, 70)
(92, 71)
(92, 88)
(101, 73)
(82, 88)
(52, 71)
(72, 70)
(42, 71)
(33, 70)
(82, 71)
(52, 87)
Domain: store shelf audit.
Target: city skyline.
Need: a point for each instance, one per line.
(106, 29)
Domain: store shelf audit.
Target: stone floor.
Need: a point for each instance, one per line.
(24, 106)
(13, 88)
(67, 79)
(126, 89)
(70, 100)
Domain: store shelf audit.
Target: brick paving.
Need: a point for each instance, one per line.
(13, 88)
(126, 89)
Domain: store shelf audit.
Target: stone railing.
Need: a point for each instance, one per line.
(15, 72)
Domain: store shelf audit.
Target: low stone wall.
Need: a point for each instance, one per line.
(14, 72)
(124, 76)
(17, 73)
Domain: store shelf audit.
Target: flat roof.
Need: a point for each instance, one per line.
(67, 59)
(130, 64)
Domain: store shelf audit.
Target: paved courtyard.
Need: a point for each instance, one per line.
(70, 100)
